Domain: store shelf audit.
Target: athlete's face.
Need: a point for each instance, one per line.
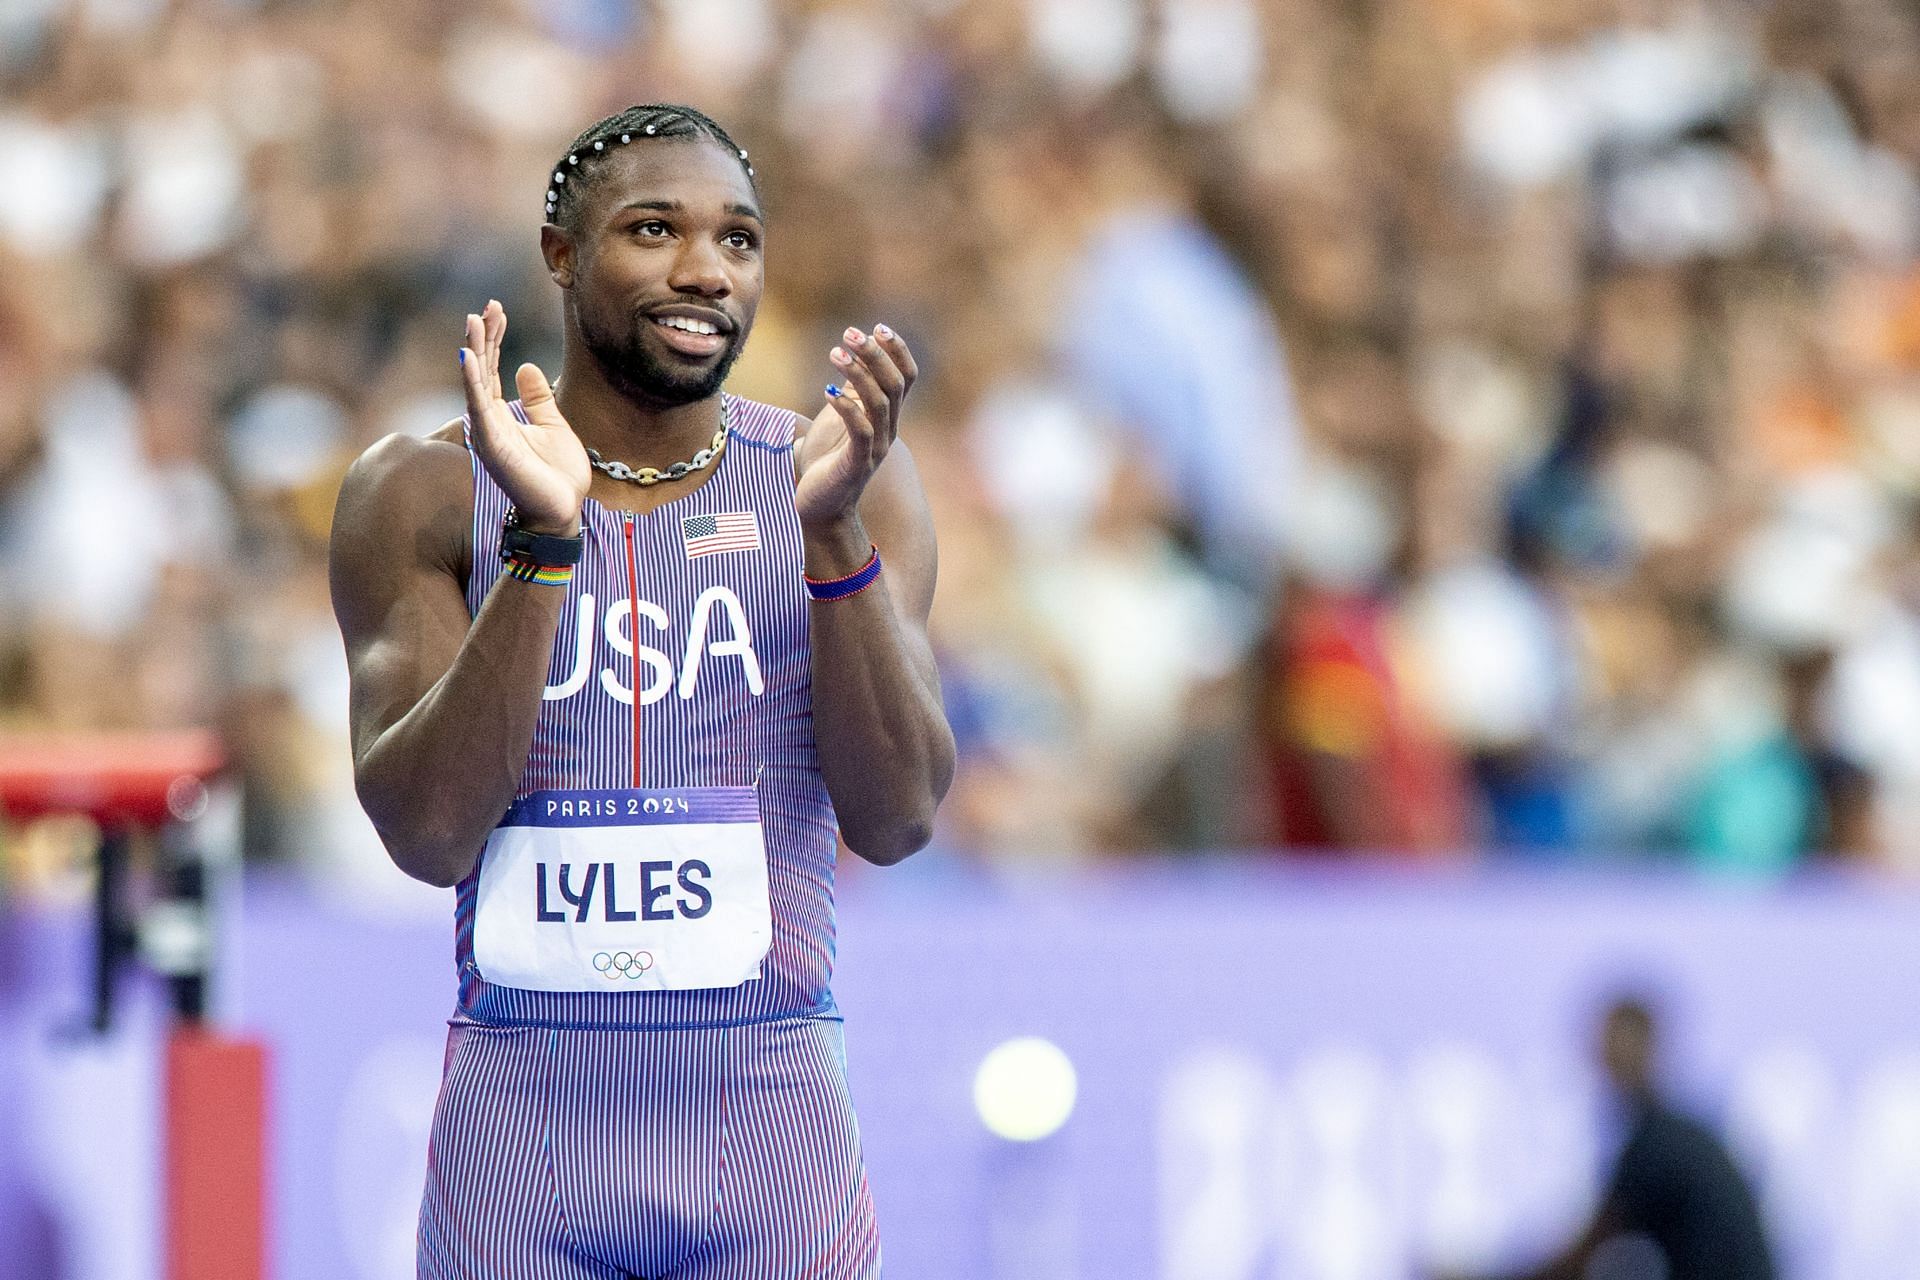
(666, 269)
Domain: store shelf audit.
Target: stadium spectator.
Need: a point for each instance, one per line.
(1619, 305)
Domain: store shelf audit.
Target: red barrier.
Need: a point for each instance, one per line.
(144, 778)
(216, 1157)
(215, 1086)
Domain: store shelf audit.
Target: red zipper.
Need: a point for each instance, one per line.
(633, 630)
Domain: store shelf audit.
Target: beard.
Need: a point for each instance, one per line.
(641, 374)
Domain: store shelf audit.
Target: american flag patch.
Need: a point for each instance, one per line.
(722, 531)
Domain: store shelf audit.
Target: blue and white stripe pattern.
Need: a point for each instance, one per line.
(665, 1135)
(721, 1154)
(710, 731)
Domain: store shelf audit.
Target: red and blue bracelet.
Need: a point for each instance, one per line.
(851, 585)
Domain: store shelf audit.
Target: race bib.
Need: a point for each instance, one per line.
(625, 890)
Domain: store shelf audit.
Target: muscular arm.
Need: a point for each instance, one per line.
(886, 752)
(443, 709)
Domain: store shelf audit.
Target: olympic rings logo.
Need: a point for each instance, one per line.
(622, 964)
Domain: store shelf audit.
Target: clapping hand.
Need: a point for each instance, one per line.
(849, 438)
(540, 464)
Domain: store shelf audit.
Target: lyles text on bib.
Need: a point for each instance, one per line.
(625, 890)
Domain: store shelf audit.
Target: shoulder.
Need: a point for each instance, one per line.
(419, 484)
(1664, 1140)
(1683, 1132)
(411, 466)
(766, 425)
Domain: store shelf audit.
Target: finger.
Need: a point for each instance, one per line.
(495, 318)
(536, 395)
(880, 363)
(861, 436)
(866, 442)
(482, 405)
(839, 402)
(473, 382)
(477, 342)
(874, 402)
(897, 348)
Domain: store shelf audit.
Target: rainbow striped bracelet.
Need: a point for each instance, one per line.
(549, 575)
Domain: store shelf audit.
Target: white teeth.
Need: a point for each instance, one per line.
(690, 325)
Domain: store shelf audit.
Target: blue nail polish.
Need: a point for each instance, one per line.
(833, 390)
(463, 355)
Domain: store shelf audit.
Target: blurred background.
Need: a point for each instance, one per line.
(1426, 493)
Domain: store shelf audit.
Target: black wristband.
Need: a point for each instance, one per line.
(539, 548)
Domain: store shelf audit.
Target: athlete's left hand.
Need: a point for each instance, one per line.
(846, 442)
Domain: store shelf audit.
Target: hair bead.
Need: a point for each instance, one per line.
(654, 121)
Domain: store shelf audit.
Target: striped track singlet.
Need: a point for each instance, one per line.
(698, 1134)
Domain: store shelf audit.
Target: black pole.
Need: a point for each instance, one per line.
(112, 936)
(185, 873)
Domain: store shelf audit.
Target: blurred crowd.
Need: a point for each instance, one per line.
(1405, 428)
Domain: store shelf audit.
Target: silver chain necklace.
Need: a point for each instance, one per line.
(677, 471)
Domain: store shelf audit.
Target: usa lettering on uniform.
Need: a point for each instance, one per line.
(657, 881)
(618, 626)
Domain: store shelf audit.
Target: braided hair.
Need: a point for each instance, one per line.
(575, 169)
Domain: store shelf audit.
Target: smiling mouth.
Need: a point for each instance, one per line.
(689, 336)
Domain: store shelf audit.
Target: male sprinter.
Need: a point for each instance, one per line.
(623, 651)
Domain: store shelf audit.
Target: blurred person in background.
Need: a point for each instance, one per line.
(1675, 1206)
(1355, 761)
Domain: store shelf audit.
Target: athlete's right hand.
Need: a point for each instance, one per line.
(540, 464)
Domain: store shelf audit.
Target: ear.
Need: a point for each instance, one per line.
(557, 247)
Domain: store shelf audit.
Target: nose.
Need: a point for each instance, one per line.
(699, 270)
